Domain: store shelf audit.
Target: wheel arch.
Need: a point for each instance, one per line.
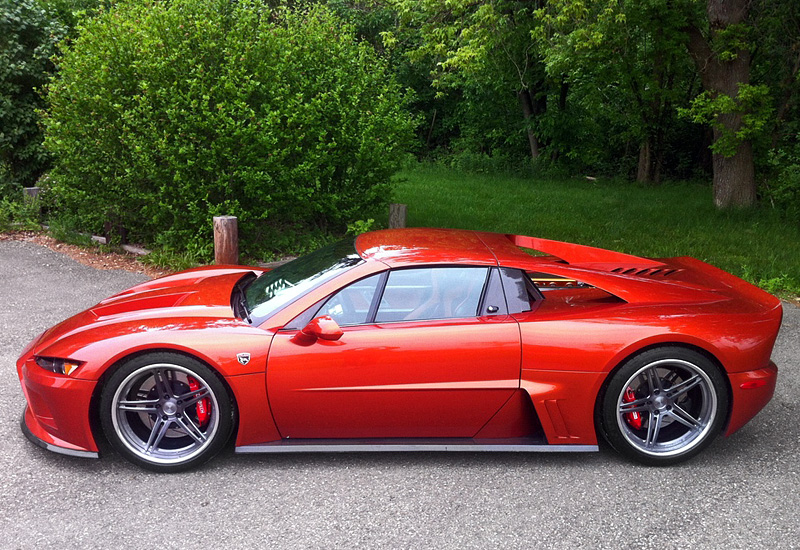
(117, 362)
(619, 362)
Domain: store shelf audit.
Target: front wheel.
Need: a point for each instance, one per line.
(166, 412)
(664, 406)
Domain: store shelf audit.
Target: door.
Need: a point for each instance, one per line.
(431, 354)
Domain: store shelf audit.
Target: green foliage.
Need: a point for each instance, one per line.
(780, 284)
(18, 214)
(627, 69)
(29, 32)
(480, 57)
(730, 41)
(172, 260)
(782, 189)
(752, 103)
(360, 226)
(65, 227)
(166, 114)
(71, 12)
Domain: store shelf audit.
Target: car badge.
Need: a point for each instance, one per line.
(243, 358)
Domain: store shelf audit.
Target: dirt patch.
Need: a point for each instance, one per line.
(87, 256)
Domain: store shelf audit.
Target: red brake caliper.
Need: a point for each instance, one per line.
(632, 418)
(203, 406)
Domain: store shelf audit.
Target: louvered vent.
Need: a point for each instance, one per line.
(649, 272)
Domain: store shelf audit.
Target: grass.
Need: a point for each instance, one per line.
(676, 219)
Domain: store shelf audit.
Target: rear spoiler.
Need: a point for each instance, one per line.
(644, 280)
(586, 256)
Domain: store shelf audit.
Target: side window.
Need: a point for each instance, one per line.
(431, 293)
(494, 301)
(350, 306)
(520, 292)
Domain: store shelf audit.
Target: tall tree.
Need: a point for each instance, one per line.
(776, 62)
(632, 50)
(485, 44)
(29, 33)
(722, 55)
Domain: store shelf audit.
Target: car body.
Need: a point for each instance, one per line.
(410, 339)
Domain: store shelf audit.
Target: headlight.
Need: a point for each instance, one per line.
(58, 365)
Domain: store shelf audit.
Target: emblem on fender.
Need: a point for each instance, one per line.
(243, 358)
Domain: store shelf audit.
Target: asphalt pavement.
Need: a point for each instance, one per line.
(743, 492)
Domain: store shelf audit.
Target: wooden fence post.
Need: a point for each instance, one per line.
(397, 215)
(226, 240)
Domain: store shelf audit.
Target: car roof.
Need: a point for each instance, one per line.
(416, 245)
(631, 278)
(396, 247)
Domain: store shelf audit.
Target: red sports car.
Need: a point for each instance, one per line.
(416, 339)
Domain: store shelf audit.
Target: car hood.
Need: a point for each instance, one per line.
(197, 295)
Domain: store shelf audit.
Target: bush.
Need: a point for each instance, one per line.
(782, 189)
(166, 114)
(18, 214)
(28, 36)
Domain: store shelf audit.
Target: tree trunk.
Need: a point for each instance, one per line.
(562, 107)
(644, 171)
(734, 176)
(526, 103)
(651, 156)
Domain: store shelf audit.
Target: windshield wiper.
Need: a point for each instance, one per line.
(243, 305)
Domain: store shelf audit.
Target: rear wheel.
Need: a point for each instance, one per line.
(166, 412)
(664, 406)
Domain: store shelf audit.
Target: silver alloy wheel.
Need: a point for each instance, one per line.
(677, 405)
(154, 414)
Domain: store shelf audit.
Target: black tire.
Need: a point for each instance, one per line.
(680, 397)
(166, 412)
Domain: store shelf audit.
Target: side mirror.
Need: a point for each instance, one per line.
(324, 328)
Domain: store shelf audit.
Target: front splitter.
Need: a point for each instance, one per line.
(53, 448)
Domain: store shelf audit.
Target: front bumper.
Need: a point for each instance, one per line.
(750, 392)
(57, 415)
(58, 445)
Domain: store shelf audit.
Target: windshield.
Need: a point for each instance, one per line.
(279, 287)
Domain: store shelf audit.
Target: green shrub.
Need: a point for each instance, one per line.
(17, 213)
(171, 260)
(782, 189)
(65, 227)
(28, 36)
(166, 114)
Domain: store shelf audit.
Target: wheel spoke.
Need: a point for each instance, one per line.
(633, 406)
(160, 427)
(138, 405)
(191, 429)
(653, 380)
(684, 417)
(653, 427)
(162, 383)
(193, 397)
(683, 387)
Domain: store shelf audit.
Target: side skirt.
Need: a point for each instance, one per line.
(515, 445)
